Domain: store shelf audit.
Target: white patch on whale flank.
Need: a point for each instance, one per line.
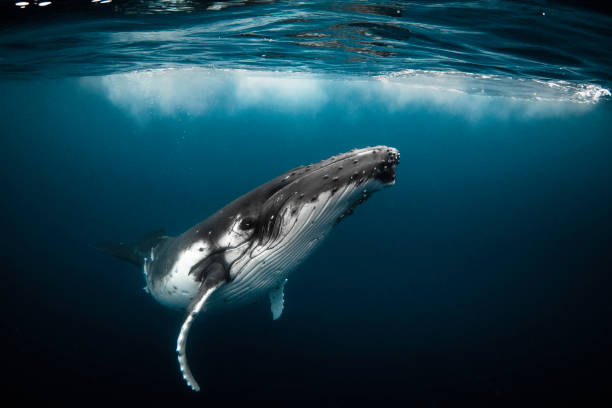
(178, 287)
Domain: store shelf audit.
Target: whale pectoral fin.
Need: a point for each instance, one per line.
(212, 283)
(277, 300)
(182, 339)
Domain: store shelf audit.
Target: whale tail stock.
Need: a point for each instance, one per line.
(135, 252)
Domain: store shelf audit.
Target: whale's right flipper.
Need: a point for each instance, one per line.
(215, 278)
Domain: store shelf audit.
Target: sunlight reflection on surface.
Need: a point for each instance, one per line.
(195, 91)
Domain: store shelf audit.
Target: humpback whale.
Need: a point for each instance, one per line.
(247, 249)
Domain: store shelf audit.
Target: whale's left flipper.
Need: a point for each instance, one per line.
(211, 283)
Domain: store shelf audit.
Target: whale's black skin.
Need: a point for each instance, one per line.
(222, 259)
(260, 207)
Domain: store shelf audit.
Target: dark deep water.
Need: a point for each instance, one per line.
(481, 278)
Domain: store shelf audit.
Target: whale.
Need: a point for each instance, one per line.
(247, 249)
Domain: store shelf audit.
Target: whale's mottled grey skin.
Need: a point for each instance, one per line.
(248, 248)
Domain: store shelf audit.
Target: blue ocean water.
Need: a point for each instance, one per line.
(482, 277)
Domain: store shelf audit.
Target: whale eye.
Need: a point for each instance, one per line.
(247, 223)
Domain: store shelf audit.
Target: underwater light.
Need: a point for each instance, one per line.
(105, 1)
(22, 4)
(44, 4)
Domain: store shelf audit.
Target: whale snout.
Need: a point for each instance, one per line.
(385, 170)
(393, 156)
(378, 162)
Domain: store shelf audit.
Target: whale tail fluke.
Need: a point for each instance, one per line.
(136, 252)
